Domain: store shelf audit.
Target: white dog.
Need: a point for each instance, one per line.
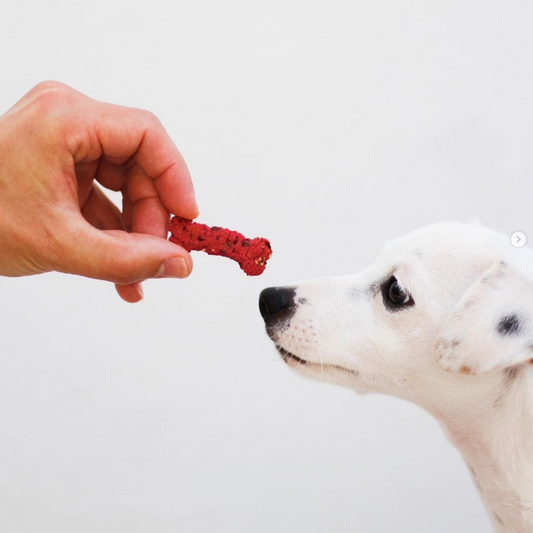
(444, 318)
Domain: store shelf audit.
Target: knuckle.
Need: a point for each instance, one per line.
(136, 269)
(47, 111)
(125, 276)
(50, 84)
(150, 118)
(52, 97)
(122, 278)
(127, 266)
(50, 105)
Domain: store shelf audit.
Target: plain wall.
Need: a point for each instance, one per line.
(328, 127)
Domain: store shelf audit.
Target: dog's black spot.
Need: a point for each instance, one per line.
(498, 519)
(302, 301)
(509, 325)
(455, 343)
(472, 471)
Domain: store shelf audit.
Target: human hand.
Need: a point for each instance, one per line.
(55, 144)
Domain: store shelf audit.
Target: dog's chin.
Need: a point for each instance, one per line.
(315, 370)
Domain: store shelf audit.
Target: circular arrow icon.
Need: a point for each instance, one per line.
(518, 239)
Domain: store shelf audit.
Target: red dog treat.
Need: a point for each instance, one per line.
(251, 254)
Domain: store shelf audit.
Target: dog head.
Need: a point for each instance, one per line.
(450, 297)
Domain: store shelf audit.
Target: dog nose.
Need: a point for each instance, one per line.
(276, 302)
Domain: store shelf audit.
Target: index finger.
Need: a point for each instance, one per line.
(120, 134)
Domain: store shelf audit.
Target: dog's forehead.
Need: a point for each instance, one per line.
(438, 263)
(453, 240)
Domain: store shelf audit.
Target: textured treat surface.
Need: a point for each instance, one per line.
(251, 254)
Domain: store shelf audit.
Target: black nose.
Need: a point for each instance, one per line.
(276, 303)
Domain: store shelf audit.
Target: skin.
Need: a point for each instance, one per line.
(58, 148)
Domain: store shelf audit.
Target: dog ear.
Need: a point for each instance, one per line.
(491, 327)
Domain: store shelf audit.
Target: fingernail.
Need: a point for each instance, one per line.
(176, 267)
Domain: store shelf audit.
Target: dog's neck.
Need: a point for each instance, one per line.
(490, 420)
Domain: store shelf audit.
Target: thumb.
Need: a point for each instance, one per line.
(122, 257)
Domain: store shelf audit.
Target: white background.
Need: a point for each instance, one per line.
(328, 127)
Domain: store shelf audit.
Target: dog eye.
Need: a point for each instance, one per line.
(395, 295)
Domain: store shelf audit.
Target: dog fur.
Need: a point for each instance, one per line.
(462, 348)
